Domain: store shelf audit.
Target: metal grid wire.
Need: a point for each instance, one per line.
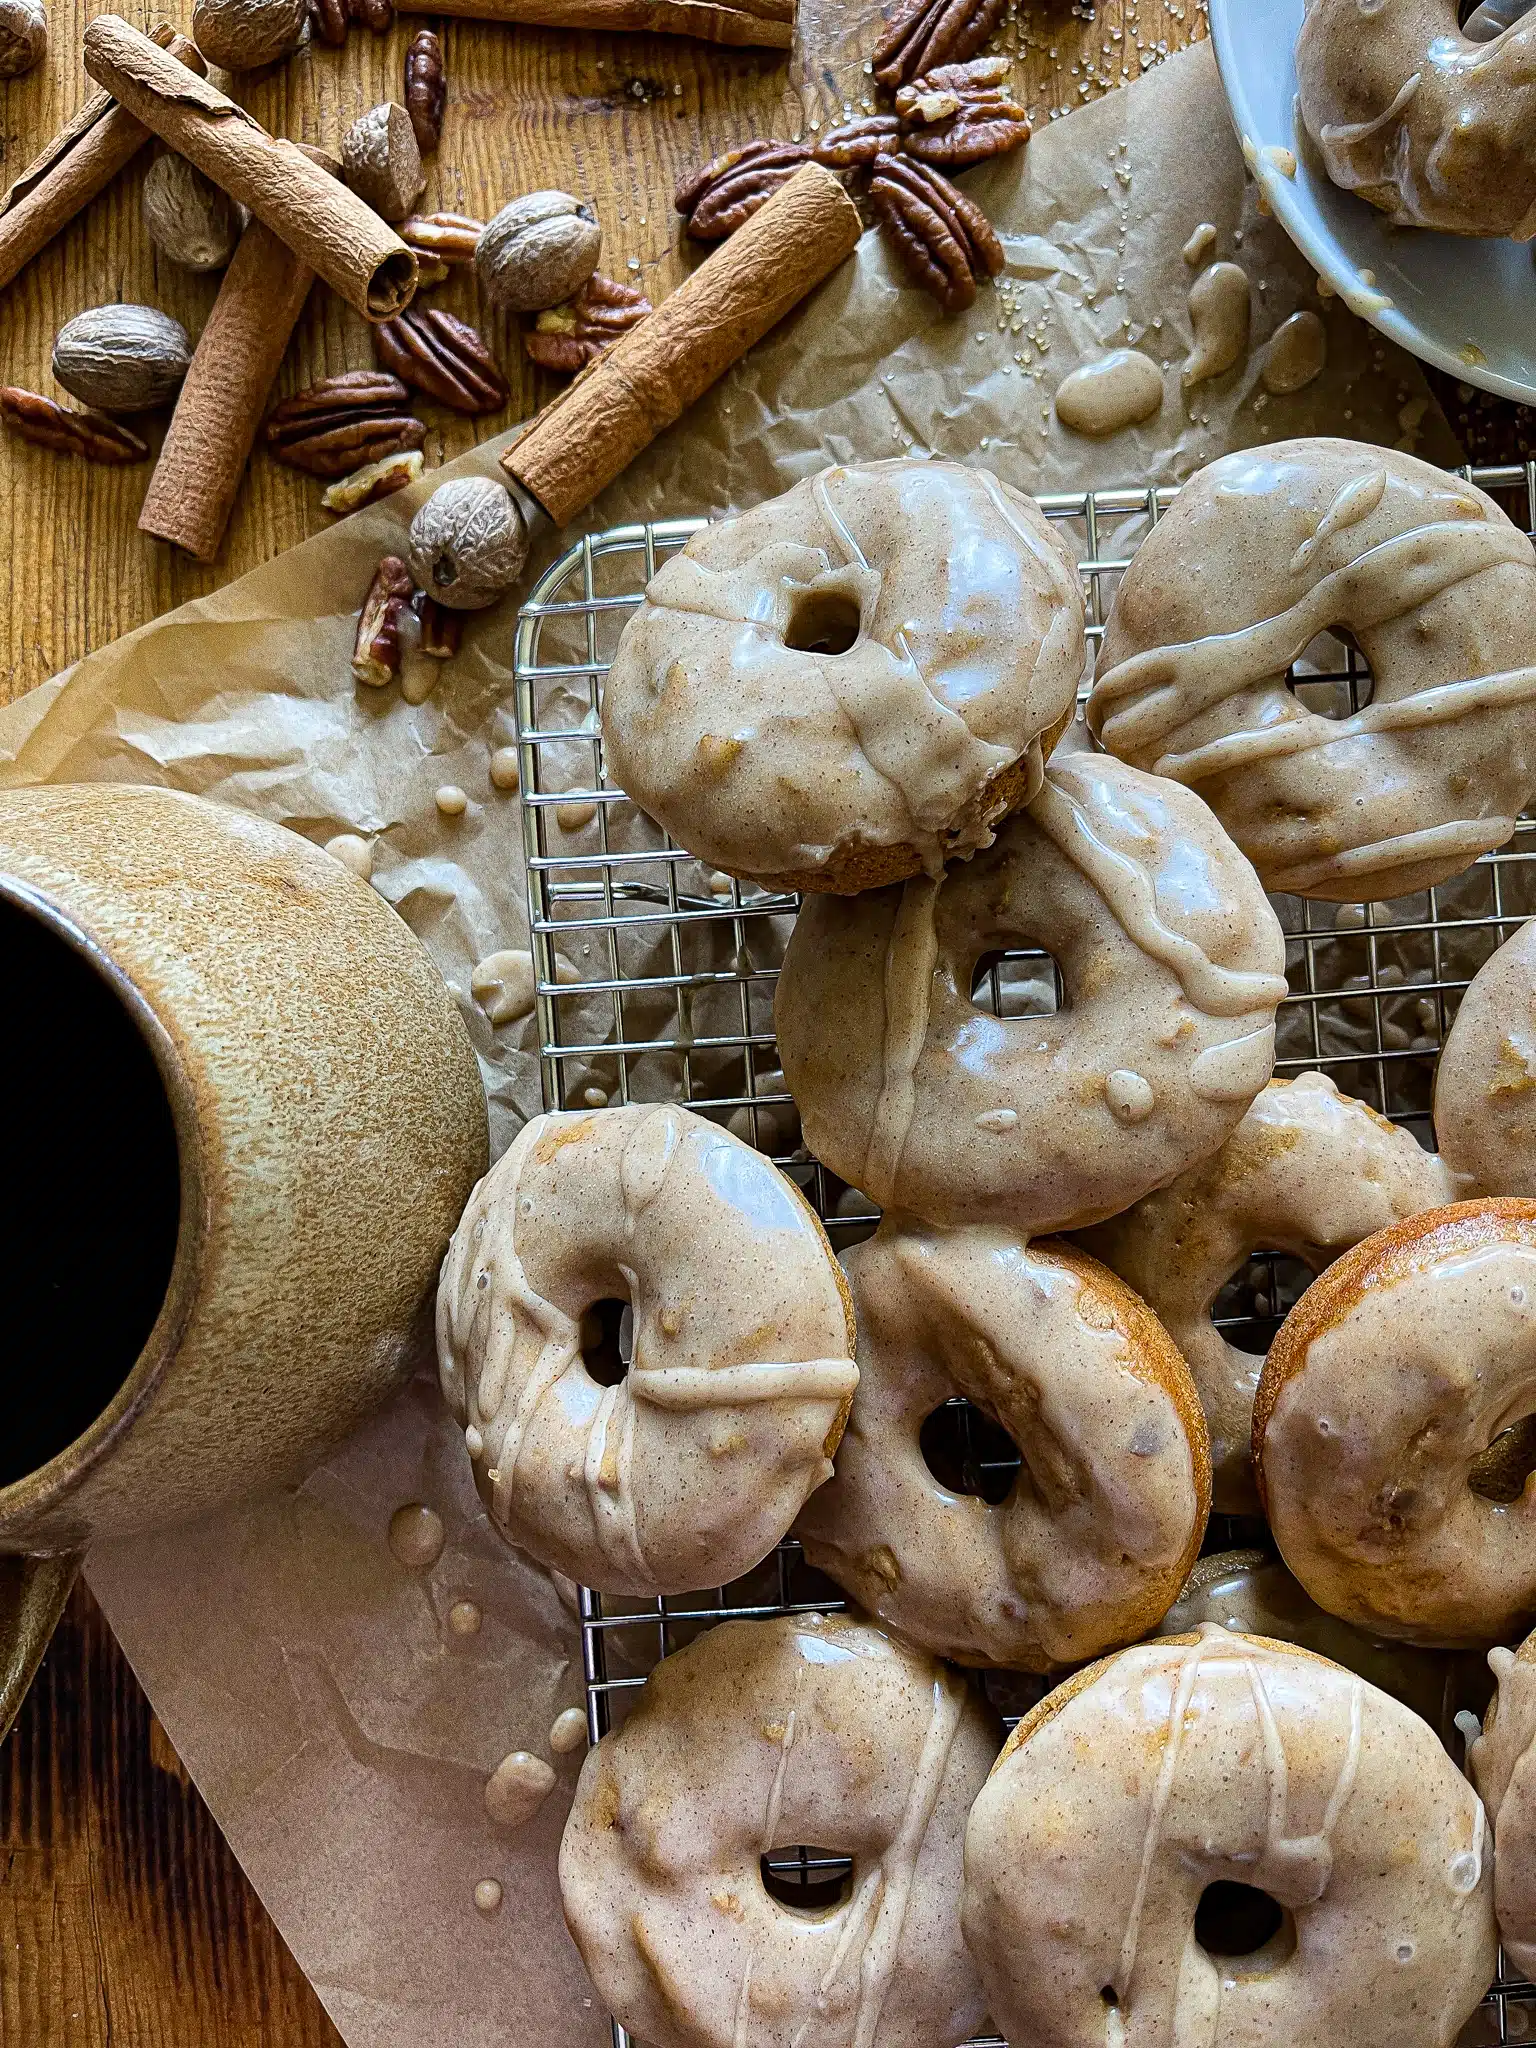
(655, 982)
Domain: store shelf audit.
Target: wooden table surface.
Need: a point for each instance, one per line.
(124, 1919)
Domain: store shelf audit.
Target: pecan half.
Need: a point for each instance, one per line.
(442, 630)
(331, 21)
(373, 481)
(336, 426)
(716, 200)
(426, 89)
(448, 237)
(944, 239)
(961, 114)
(570, 336)
(88, 434)
(443, 357)
(856, 144)
(922, 34)
(376, 650)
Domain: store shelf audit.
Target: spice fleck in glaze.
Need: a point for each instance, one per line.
(1173, 964)
(1227, 1759)
(687, 1470)
(1485, 1084)
(1391, 1434)
(1437, 131)
(763, 1735)
(853, 682)
(1259, 554)
(1101, 1526)
(1309, 1172)
(1503, 1765)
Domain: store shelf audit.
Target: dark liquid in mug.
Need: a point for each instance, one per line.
(92, 1183)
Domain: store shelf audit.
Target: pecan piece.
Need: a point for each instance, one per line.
(331, 21)
(426, 89)
(442, 630)
(944, 239)
(447, 237)
(716, 200)
(88, 434)
(856, 144)
(376, 650)
(379, 15)
(335, 426)
(443, 357)
(923, 34)
(373, 481)
(961, 114)
(569, 336)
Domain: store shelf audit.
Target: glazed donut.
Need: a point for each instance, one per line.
(1103, 1852)
(1503, 1765)
(1485, 1084)
(1437, 131)
(1173, 963)
(688, 1470)
(1107, 1513)
(1252, 1592)
(1391, 1434)
(853, 682)
(1308, 1171)
(1258, 554)
(761, 1735)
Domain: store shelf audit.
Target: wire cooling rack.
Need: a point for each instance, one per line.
(655, 981)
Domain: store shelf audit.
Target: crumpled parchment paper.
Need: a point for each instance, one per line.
(337, 1727)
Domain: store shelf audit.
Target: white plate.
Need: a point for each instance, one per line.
(1464, 303)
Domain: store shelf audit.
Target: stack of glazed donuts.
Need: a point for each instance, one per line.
(1233, 1819)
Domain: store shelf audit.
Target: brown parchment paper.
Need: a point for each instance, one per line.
(338, 1729)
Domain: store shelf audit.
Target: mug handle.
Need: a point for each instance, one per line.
(33, 1591)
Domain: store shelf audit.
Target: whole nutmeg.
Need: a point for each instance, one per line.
(189, 220)
(242, 35)
(381, 161)
(122, 358)
(538, 251)
(23, 36)
(468, 543)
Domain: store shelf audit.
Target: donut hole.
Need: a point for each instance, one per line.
(1252, 1304)
(1023, 981)
(1331, 677)
(967, 1452)
(1238, 1923)
(823, 622)
(608, 1340)
(1499, 1473)
(813, 1882)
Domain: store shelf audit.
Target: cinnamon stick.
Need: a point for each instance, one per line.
(765, 24)
(321, 221)
(224, 393)
(81, 160)
(648, 379)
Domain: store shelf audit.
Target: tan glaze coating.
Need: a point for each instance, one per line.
(1485, 1083)
(804, 1730)
(1108, 1512)
(1295, 353)
(848, 770)
(1308, 1171)
(1227, 1758)
(1437, 131)
(1388, 1380)
(1110, 393)
(1173, 964)
(1503, 1764)
(319, 1079)
(688, 1470)
(1261, 552)
(1219, 317)
(1251, 1591)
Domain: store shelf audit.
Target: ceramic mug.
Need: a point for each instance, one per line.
(242, 1119)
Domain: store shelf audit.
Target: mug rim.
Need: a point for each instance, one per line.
(48, 1484)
